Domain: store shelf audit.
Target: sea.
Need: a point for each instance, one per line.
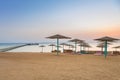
(28, 48)
(37, 48)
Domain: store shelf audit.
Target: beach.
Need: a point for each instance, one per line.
(49, 66)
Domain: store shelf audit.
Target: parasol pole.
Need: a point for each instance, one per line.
(105, 52)
(102, 49)
(83, 49)
(42, 49)
(75, 46)
(63, 48)
(80, 49)
(57, 46)
(52, 48)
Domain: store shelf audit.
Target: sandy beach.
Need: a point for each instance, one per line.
(40, 66)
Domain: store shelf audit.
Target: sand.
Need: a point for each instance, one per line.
(48, 66)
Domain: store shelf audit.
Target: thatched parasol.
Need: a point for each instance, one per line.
(106, 39)
(76, 41)
(52, 46)
(63, 44)
(116, 47)
(102, 45)
(42, 47)
(88, 46)
(71, 46)
(84, 45)
(57, 36)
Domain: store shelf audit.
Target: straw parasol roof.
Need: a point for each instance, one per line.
(102, 44)
(59, 46)
(52, 46)
(58, 36)
(42, 47)
(88, 46)
(116, 47)
(63, 44)
(70, 46)
(75, 40)
(106, 38)
(84, 44)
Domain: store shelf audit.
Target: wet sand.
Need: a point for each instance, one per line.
(48, 66)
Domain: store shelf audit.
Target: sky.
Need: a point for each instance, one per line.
(33, 20)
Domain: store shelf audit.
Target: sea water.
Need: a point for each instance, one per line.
(32, 48)
(37, 48)
(28, 48)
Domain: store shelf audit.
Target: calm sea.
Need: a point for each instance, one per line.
(37, 48)
(28, 48)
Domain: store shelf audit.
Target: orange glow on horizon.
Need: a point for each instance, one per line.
(112, 31)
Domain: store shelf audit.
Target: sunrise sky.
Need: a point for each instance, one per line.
(33, 20)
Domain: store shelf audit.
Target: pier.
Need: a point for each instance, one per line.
(14, 47)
